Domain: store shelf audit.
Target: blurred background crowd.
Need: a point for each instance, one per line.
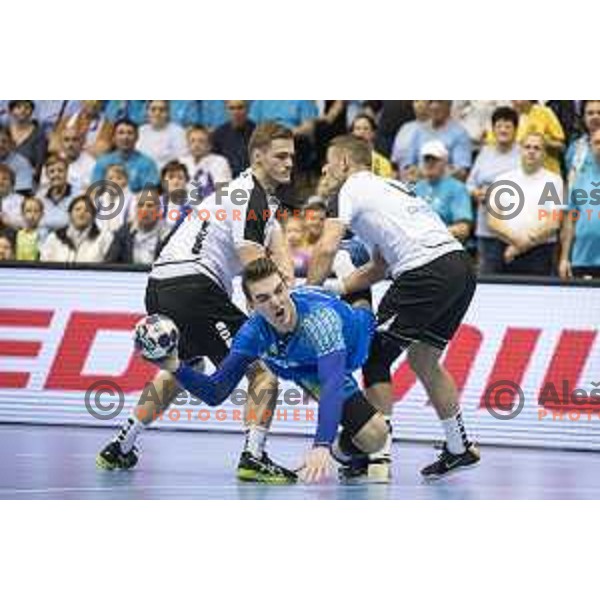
(450, 152)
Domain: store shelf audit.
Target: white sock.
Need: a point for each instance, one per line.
(129, 432)
(386, 451)
(456, 436)
(256, 438)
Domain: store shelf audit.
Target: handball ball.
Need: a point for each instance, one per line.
(156, 336)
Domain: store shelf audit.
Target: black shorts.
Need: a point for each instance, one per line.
(207, 319)
(428, 304)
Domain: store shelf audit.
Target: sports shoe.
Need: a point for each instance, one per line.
(376, 470)
(112, 457)
(263, 470)
(449, 463)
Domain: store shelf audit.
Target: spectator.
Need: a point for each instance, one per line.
(81, 241)
(365, 128)
(185, 112)
(231, 139)
(392, 115)
(126, 110)
(175, 197)
(19, 165)
(10, 202)
(57, 196)
(295, 236)
(527, 238)
(111, 217)
(7, 249)
(447, 196)
(212, 113)
(28, 137)
(535, 118)
(493, 160)
(579, 151)
(205, 168)
(580, 236)
(451, 133)
(314, 222)
(475, 116)
(80, 163)
(31, 236)
(404, 136)
(139, 242)
(90, 123)
(160, 139)
(141, 169)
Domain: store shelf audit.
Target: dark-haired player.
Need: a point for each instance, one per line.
(191, 282)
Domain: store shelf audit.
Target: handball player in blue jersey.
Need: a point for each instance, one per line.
(312, 338)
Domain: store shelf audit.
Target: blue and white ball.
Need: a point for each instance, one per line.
(156, 337)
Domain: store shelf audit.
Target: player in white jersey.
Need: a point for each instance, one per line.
(191, 282)
(433, 284)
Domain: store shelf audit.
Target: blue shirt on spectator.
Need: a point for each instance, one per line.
(448, 197)
(141, 169)
(134, 110)
(453, 135)
(290, 113)
(22, 169)
(213, 113)
(585, 251)
(185, 112)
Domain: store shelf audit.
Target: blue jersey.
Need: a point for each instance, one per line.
(325, 325)
(330, 341)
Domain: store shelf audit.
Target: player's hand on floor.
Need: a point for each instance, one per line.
(317, 465)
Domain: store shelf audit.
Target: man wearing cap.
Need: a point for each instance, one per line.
(447, 196)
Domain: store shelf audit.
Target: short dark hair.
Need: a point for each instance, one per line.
(505, 113)
(358, 150)
(257, 270)
(265, 133)
(367, 117)
(14, 103)
(125, 121)
(174, 165)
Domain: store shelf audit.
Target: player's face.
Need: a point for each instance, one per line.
(270, 297)
(277, 160)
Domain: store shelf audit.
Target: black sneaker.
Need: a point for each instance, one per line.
(376, 470)
(449, 463)
(263, 470)
(112, 457)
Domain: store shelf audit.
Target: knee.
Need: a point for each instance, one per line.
(372, 435)
(424, 360)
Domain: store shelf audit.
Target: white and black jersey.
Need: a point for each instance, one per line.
(206, 241)
(386, 214)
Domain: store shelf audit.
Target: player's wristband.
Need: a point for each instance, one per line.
(335, 285)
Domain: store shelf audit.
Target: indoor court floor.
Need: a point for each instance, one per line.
(57, 462)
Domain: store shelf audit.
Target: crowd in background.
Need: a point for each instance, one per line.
(141, 154)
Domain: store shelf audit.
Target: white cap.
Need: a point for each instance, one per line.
(434, 148)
